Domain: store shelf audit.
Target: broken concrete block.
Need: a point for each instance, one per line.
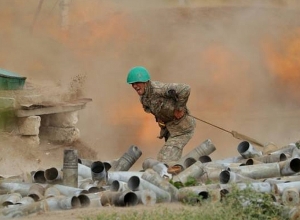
(64, 119)
(7, 103)
(60, 135)
(29, 125)
(32, 99)
(31, 140)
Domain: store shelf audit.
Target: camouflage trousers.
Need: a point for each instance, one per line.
(173, 147)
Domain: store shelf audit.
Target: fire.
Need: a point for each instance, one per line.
(283, 60)
(142, 125)
(223, 73)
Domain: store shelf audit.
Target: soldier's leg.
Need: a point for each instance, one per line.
(172, 149)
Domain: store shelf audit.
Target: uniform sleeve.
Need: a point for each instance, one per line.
(146, 108)
(182, 92)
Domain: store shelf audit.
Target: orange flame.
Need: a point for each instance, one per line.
(283, 60)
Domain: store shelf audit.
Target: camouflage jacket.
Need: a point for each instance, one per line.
(158, 101)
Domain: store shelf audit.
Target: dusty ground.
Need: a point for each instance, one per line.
(242, 62)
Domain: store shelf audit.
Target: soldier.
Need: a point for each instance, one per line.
(167, 102)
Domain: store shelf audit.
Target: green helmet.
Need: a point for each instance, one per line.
(138, 74)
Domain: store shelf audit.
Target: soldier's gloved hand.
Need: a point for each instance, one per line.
(179, 114)
(172, 93)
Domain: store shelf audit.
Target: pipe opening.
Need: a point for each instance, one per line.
(189, 162)
(51, 174)
(223, 193)
(75, 202)
(107, 165)
(84, 200)
(6, 203)
(39, 176)
(130, 199)
(282, 157)
(97, 167)
(115, 185)
(203, 195)
(35, 197)
(224, 176)
(243, 147)
(295, 165)
(249, 162)
(133, 183)
(205, 159)
(93, 189)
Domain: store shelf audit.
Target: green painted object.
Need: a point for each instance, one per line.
(10, 80)
(138, 74)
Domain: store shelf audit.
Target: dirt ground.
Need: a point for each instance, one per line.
(241, 60)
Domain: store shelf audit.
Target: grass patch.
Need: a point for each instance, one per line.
(238, 204)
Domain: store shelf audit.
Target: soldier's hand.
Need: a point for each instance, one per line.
(178, 114)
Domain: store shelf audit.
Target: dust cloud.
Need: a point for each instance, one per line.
(242, 62)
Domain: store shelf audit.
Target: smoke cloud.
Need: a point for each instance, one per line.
(242, 62)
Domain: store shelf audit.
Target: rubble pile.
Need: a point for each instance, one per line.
(86, 183)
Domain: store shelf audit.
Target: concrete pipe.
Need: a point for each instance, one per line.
(51, 192)
(192, 195)
(38, 176)
(162, 170)
(195, 171)
(84, 171)
(278, 188)
(126, 198)
(290, 178)
(154, 178)
(84, 200)
(53, 175)
(94, 199)
(290, 166)
(128, 159)
(149, 163)
(252, 161)
(24, 210)
(146, 197)
(205, 148)
(290, 197)
(231, 177)
(246, 150)
(205, 159)
(157, 166)
(136, 183)
(286, 150)
(272, 158)
(36, 191)
(70, 168)
(10, 199)
(98, 172)
(25, 201)
(260, 171)
(85, 162)
(211, 174)
(122, 175)
(237, 159)
(262, 187)
(110, 164)
(274, 180)
(70, 191)
(88, 186)
(118, 186)
(62, 202)
(22, 188)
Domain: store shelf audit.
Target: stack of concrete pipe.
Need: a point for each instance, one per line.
(84, 183)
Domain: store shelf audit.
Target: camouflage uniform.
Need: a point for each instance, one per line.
(161, 99)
